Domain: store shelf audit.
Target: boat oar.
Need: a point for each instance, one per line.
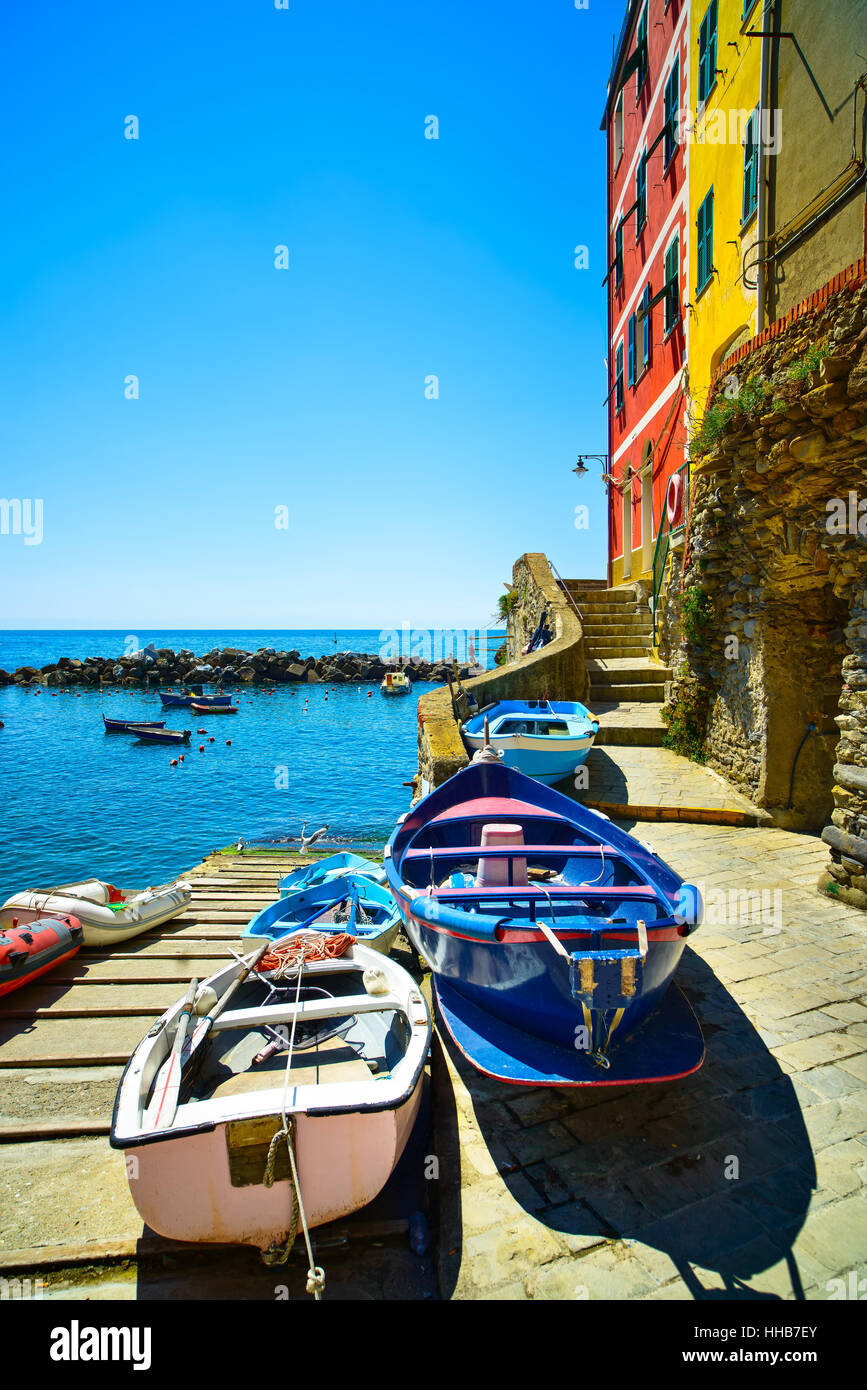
(203, 1027)
(164, 1101)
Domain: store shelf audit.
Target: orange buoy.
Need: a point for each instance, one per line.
(211, 739)
(181, 756)
(201, 731)
(201, 748)
(228, 743)
(173, 763)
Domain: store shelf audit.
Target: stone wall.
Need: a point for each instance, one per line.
(776, 554)
(557, 670)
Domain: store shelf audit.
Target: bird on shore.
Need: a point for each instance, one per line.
(308, 840)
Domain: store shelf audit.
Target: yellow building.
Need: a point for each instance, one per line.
(726, 128)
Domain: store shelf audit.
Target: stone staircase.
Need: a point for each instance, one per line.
(626, 684)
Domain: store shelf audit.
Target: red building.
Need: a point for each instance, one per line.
(648, 246)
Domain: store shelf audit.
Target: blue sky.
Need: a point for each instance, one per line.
(305, 388)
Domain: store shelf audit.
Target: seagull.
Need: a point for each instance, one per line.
(240, 845)
(308, 840)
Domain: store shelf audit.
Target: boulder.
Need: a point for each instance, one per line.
(295, 671)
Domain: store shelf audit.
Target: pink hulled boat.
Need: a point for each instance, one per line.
(350, 1094)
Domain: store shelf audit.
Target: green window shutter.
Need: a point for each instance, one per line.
(641, 194)
(618, 382)
(645, 326)
(751, 167)
(641, 49)
(672, 102)
(672, 284)
(707, 51)
(704, 238)
(618, 255)
(631, 367)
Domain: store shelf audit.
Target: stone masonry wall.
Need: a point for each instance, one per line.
(767, 627)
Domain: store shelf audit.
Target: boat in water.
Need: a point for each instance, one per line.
(150, 734)
(553, 936)
(107, 914)
(130, 726)
(395, 683)
(335, 1045)
(32, 942)
(546, 739)
(183, 699)
(332, 866)
(199, 707)
(345, 903)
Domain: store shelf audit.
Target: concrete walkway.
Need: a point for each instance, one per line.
(657, 784)
(746, 1179)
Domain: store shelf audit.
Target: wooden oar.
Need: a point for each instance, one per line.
(203, 1027)
(164, 1102)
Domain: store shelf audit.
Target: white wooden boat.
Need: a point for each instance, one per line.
(106, 913)
(351, 1093)
(396, 683)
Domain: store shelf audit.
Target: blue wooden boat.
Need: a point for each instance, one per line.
(183, 699)
(553, 936)
(210, 701)
(331, 867)
(151, 735)
(130, 726)
(546, 739)
(350, 904)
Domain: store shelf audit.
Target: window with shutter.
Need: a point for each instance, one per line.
(618, 380)
(645, 326)
(641, 194)
(672, 285)
(630, 371)
(641, 47)
(704, 243)
(672, 104)
(751, 168)
(618, 256)
(707, 52)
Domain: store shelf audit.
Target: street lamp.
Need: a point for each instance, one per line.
(581, 468)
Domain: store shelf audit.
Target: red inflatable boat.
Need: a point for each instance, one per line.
(30, 944)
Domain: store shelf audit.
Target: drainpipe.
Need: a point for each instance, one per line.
(762, 220)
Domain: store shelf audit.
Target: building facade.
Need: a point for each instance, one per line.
(648, 258)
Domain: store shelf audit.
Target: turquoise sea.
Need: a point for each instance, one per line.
(77, 802)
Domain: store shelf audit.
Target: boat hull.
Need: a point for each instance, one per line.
(537, 757)
(101, 926)
(183, 1188)
(316, 907)
(37, 943)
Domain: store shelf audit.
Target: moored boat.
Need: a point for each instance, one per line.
(546, 739)
(395, 683)
(553, 935)
(131, 726)
(332, 866)
(199, 708)
(345, 903)
(150, 734)
(216, 702)
(107, 914)
(336, 1045)
(32, 943)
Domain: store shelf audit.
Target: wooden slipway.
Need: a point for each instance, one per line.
(63, 1040)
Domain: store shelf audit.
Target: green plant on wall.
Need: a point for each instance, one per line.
(810, 362)
(507, 603)
(696, 615)
(728, 410)
(686, 717)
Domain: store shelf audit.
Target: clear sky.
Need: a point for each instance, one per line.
(262, 388)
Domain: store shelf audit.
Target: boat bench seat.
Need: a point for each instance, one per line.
(510, 852)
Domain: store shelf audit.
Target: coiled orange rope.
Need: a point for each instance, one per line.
(308, 946)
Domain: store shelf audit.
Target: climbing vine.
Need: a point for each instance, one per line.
(697, 614)
(686, 717)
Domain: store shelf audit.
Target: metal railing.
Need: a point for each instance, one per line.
(663, 545)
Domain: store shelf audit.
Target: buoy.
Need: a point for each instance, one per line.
(211, 739)
(181, 757)
(201, 748)
(173, 763)
(201, 731)
(228, 743)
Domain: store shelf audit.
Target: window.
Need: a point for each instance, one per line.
(751, 168)
(618, 380)
(704, 240)
(641, 194)
(631, 367)
(672, 105)
(707, 52)
(641, 42)
(672, 285)
(645, 326)
(618, 131)
(618, 256)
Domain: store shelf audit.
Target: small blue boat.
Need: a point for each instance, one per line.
(546, 739)
(333, 866)
(181, 699)
(364, 909)
(553, 936)
(149, 734)
(130, 726)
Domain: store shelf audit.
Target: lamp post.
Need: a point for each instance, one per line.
(582, 470)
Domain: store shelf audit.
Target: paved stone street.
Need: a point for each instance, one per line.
(655, 783)
(744, 1180)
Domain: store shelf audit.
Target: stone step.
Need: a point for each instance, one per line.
(617, 670)
(625, 690)
(612, 597)
(623, 724)
(612, 651)
(628, 643)
(623, 627)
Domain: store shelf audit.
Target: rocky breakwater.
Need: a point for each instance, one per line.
(157, 667)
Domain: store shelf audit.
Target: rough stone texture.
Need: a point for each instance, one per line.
(557, 670)
(784, 568)
(744, 1180)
